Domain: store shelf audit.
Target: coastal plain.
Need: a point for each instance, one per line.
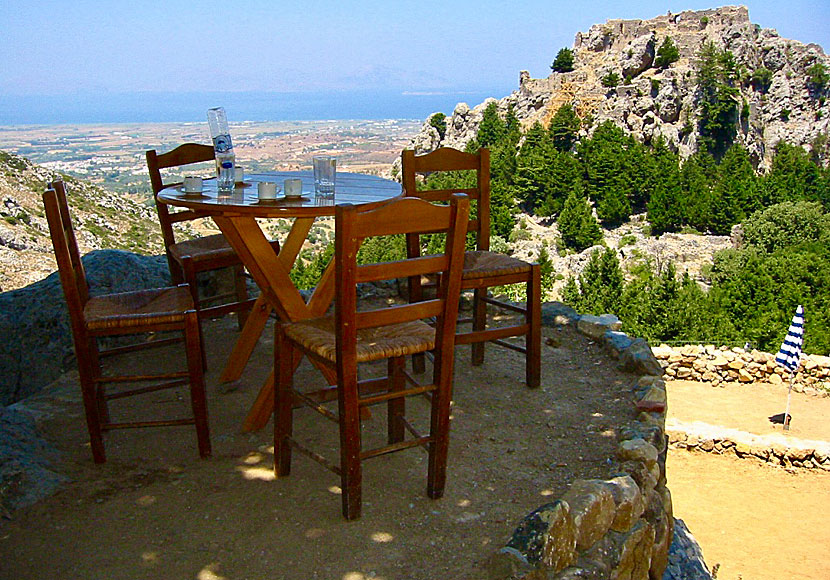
(112, 155)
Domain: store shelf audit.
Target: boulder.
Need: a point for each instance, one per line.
(34, 321)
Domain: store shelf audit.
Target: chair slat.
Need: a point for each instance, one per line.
(399, 314)
(401, 269)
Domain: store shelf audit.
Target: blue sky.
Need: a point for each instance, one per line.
(100, 47)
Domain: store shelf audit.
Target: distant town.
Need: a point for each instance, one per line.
(112, 155)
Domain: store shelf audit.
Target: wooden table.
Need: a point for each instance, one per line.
(236, 215)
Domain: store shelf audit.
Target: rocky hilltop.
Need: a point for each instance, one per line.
(652, 101)
(102, 219)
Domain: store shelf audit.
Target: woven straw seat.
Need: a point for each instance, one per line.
(188, 258)
(339, 343)
(479, 264)
(206, 248)
(483, 269)
(318, 336)
(125, 313)
(143, 307)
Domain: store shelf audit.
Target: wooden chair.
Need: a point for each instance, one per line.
(127, 313)
(349, 337)
(188, 258)
(483, 269)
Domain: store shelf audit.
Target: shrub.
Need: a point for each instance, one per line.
(667, 53)
(761, 79)
(610, 80)
(818, 76)
(787, 224)
(655, 85)
(439, 121)
(564, 61)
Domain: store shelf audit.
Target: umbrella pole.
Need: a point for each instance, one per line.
(787, 411)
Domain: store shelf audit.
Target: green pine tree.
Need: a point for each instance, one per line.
(564, 61)
(577, 226)
(667, 53)
(564, 128)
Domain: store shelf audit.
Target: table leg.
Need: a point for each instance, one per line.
(263, 406)
(271, 273)
(247, 340)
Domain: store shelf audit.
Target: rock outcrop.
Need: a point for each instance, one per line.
(34, 321)
(664, 101)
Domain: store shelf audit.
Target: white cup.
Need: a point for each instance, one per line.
(192, 184)
(266, 190)
(238, 174)
(293, 187)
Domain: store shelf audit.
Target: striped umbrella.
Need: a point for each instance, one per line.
(789, 355)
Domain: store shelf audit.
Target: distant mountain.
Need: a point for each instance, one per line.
(781, 85)
(102, 219)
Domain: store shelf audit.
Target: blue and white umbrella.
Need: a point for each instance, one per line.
(789, 355)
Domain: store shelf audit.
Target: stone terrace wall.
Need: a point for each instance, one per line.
(776, 449)
(719, 365)
(616, 528)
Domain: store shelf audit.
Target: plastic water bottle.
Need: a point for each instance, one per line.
(225, 181)
(223, 147)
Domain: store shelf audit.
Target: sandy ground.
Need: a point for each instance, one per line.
(753, 521)
(154, 510)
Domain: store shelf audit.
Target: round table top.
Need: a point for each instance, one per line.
(354, 188)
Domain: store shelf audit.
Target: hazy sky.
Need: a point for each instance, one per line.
(425, 45)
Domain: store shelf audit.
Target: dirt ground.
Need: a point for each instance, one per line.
(155, 510)
(752, 520)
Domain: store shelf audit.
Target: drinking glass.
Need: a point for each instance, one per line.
(325, 169)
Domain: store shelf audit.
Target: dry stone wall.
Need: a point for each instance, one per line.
(722, 365)
(616, 528)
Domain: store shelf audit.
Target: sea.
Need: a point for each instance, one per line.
(158, 107)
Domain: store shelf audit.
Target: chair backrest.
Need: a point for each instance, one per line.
(446, 159)
(399, 216)
(70, 266)
(186, 154)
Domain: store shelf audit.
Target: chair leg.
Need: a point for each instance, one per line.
(479, 323)
(241, 294)
(176, 273)
(533, 341)
(192, 282)
(419, 363)
(440, 434)
(350, 468)
(99, 388)
(198, 400)
(396, 408)
(416, 293)
(89, 391)
(283, 402)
